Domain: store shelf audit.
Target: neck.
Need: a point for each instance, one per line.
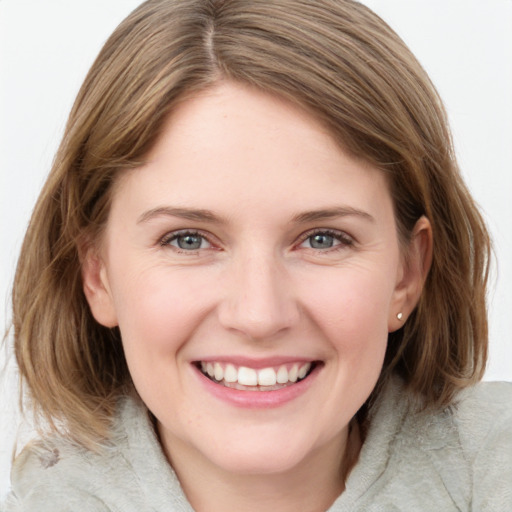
(311, 486)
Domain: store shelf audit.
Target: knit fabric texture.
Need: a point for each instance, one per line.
(459, 459)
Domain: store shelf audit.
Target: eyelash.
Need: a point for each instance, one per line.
(340, 236)
(343, 239)
(174, 235)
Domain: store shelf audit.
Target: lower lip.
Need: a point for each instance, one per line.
(258, 399)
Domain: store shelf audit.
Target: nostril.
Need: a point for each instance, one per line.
(258, 321)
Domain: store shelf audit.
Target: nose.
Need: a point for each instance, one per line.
(259, 300)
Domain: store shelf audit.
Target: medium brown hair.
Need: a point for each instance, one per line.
(334, 57)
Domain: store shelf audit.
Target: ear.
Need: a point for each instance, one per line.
(416, 264)
(96, 287)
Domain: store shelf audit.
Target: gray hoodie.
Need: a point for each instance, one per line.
(459, 459)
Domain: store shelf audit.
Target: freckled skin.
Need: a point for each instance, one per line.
(258, 286)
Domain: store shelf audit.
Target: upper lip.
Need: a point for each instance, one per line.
(256, 363)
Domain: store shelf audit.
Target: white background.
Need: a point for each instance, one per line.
(46, 47)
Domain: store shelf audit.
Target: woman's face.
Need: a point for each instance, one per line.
(250, 247)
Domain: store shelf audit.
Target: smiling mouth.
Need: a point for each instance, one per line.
(250, 379)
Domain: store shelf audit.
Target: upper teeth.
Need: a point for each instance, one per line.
(251, 377)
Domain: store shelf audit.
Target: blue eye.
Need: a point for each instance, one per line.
(321, 241)
(326, 239)
(187, 241)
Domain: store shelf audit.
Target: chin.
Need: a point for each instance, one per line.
(258, 461)
(265, 450)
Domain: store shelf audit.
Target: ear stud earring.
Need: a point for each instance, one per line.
(400, 315)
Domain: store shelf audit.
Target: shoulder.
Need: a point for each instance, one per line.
(124, 475)
(483, 417)
(54, 475)
(478, 415)
(457, 458)
(483, 413)
(468, 446)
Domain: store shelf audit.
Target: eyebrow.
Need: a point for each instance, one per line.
(182, 213)
(330, 213)
(208, 216)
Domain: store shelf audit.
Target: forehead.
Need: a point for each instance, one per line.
(244, 148)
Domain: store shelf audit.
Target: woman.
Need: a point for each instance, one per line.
(255, 278)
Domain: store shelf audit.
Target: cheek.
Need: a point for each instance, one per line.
(354, 302)
(158, 308)
(351, 309)
(158, 311)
